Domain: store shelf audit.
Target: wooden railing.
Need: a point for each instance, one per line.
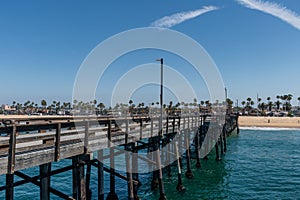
(35, 141)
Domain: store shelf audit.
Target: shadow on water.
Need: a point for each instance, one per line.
(208, 182)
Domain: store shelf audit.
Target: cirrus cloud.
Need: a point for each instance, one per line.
(274, 9)
(172, 20)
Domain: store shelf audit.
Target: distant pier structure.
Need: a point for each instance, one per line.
(89, 140)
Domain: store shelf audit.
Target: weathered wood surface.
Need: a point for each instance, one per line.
(52, 143)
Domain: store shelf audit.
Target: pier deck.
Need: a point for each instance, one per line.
(39, 141)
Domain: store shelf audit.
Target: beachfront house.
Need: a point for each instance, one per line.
(8, 109)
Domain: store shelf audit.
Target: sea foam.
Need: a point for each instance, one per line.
(268, 128)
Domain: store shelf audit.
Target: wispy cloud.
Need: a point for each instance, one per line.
(274, 9)
(172, 20)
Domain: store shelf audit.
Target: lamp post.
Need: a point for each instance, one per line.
(160, 181)
(161, 94)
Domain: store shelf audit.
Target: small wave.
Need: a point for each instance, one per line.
(268, 128)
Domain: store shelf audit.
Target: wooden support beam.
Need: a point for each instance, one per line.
(189, 173)
(217, 151)
(162, 195)
(100, 175)
(224, 138)
(179, 186)
(153, 147)
(25, 181)
(9, 194)
(129, 173)
(45, 170)
(197, 148)
(221, 144)
(74, 177)
(112, 193)
(88, 179)
(81, 181)
(37, 183)
(135, 175)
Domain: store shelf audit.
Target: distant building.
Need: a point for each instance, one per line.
(8, 109)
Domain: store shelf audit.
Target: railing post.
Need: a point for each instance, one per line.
(9, 194)
(57, 142)
(86, 136)
(141, 128)
(12, 149)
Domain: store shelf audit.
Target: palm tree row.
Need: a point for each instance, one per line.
(55, 107)
(282, 103)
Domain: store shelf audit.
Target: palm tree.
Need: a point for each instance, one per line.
(243, 103)
(262, 106)
(101, 107)
(195, 102)
(298, 102)
(13, 104)
(277, 103)
(258, 100)
(202, 103)
(270, 105)
(130, 102)
(251, 103)
(229, 104)
(19, 107)
(44, 103)
(289, 98)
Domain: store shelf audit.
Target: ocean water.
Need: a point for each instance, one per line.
(259, 164)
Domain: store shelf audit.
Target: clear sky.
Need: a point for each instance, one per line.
(255, 44)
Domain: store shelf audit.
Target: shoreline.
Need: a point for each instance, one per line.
(243, 121)
(271, 122)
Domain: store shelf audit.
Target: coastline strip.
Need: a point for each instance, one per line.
(271, 122)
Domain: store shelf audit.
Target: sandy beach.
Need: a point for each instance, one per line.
(279, 122)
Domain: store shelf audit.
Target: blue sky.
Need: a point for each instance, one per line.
(42, 44)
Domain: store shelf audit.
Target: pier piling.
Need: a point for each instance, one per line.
(100, 175)
(45, 170)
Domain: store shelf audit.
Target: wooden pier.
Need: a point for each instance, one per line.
(40, 141)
